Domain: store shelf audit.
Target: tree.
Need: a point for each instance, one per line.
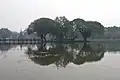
(112, 32)
(86, 33)
(5, 33)
(97, 29)
(83, 27)
(42, 27)
(64, 27)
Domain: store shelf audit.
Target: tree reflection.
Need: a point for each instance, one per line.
(63, 54)
(88, 54)
(5, 47)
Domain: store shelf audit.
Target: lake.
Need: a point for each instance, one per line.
(58, 61)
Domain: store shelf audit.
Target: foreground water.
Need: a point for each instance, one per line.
(75, 61)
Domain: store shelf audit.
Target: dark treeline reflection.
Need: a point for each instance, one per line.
(6, 47)
(63, 54)
(109, 46)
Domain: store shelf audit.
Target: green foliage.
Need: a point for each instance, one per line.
(83, 28)
(97, 29)
(42, 27)
(86, 33)
(112, 32)
(63, 29)
(5, 33)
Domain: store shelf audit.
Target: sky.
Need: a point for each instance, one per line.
(18, 14)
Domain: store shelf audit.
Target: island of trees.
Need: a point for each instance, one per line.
(62, 29)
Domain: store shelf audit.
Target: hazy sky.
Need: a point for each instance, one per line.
(17, 14)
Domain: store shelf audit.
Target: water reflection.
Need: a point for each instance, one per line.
(26, 61)
(63, 54)
(5, 47)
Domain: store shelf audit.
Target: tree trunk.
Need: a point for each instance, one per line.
(44, 38)
(85, 39)
(41, 38)
(52, 39)
(61, 38)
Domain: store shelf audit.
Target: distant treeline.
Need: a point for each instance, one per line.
(6, 33)
(112, 32)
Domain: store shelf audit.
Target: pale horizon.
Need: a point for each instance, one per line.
(18, 14)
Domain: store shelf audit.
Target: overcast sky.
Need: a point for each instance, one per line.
(17, 14)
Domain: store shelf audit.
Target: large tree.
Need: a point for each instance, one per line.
(64, 27)
(97, 29)
(42, 27)
(83, 27)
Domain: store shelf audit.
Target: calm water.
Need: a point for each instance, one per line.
(75, 61)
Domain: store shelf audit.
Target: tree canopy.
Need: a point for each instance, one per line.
(5, 33)
(83, 27)
(62, 29)
(97, 28)
(42, 27)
